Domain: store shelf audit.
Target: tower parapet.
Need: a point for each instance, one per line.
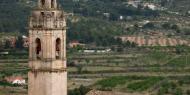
(47, 22)
(47, 16)
(47, 4)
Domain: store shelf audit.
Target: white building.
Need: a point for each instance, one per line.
(19, 82)
(16, 80)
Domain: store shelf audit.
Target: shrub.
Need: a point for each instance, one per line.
(162, 91)
(178, 92)
(144, 85)
(188, 92)
(112, 82)
(79, 91)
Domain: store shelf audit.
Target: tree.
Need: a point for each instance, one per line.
(7, 44)
(114, 16)
(133, 44)
(83, 90)
(136, 26)
(166, 25)
(149, 25)
(175, 27)
(79, 69)
(163, 2)
(127, 44)
(161, 91)
(118, 41)
(188, 92)
(179, 49)
(178, 92)
(79, 91)
(19, 43)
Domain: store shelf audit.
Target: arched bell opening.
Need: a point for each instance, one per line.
(38, 48)
(43, 3)
(52, 3)
(58, 48)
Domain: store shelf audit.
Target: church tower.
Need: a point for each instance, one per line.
(47, 50)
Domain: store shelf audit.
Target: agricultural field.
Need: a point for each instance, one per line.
(147, 85)
(155, 41)
(151, 71)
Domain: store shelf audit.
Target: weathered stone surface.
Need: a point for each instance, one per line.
(47, 83)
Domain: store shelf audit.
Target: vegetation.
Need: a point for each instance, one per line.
(93, 25)
(100, 24)
(134, 83)
(79, 91)
(112, 82)
(144, 84)
(88, 30)
(181, 61)
(161, 85)
(13, 17)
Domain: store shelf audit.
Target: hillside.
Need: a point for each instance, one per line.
(179, 5)
(99, 21)
(13, 15)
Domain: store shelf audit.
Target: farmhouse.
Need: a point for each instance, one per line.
(16, 80)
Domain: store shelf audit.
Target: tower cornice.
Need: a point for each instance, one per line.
(47, 9)
(46, 59)
(64, 28)
(49, 70)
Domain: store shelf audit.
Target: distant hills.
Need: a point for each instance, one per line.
(104, 14)
(14, 13)
(178, 5)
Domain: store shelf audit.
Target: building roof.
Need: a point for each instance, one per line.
(13, 78)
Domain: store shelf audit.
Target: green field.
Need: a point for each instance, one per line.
(155, 72)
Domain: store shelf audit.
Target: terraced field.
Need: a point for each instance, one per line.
(155, 41)
(128, 73)
(150, 85)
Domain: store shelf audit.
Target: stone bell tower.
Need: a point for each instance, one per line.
(47, 52)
